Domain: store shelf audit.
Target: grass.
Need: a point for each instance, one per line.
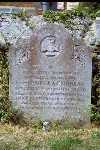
(64, 143)
(27, 138)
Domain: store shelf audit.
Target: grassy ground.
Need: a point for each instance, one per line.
(28, 138)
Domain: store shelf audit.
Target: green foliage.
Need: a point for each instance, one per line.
(64, 143)
(9, 146)
(24, 138)
(96, 134)
(6, 112)
(65, 17)
(22, 14)
(55, 125)
(95, 114)
(92, 8)
(62, 124)
(4, 85)
(37, 124)
(98, 13)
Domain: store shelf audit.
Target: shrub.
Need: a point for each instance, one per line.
(4, 85)
(98, 13)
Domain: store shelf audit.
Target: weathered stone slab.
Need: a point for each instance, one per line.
(97, 30)
(5, 10)
(29, 10)
(5, 21)
(13, 30)
(50, 77)
(16, 10)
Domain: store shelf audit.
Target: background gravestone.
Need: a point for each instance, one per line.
(98, 30)
(50, 77)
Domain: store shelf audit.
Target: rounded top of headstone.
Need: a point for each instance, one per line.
(52, 40)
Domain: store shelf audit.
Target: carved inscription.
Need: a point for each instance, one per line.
(58, 91)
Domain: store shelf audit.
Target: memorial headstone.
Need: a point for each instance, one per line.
(50, 77)
(97, 30)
